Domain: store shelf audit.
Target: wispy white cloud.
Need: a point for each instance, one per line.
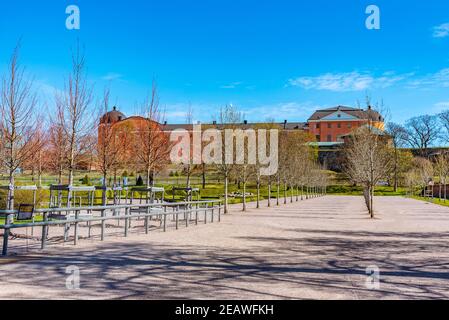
(232, 85)
(440, 106)
(111, 76)
(177, 112)
(441, 31)
(440, 79)
(292, 111)
(345, 82)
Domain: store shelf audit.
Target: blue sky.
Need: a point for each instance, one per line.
(271, 59)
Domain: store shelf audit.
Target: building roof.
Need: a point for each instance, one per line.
(369, 114)
(287, 125)
(112, 116)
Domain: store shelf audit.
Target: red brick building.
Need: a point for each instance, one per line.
(331, 125)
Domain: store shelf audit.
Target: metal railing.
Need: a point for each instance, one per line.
(203, 211)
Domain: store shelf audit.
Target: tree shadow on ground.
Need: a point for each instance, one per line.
(313, 264)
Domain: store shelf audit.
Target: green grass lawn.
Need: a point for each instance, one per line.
(347, 190)
(36, 219)
(437, 201)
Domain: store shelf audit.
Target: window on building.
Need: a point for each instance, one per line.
(339, 126)
(318, 138)
(329, 125)
(317, 125)
(329, 138)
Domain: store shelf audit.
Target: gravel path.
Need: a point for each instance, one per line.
(314, 249)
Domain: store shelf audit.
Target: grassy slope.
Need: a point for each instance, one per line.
(434, 201)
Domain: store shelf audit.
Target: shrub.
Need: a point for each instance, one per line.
(85, 180)
(139, 181)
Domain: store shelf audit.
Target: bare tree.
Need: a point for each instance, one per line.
(444, 120)
(74, 108)
(110, 143)
(188, 168)
(269, 125)
(56, 159)
(17, 121)
(441, 169)
(246, 141)
(424, 173)
(422, 132)
(368, 160)
(36, 161)
(398, 135)
(229, 117)
(152, 147)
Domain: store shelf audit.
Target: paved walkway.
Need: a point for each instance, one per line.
(315, 249)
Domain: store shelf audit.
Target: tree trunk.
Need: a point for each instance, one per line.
(104, 193)
(285, 192)
(10, 203)
(258, 193)
(445, 190)
(60, 173)
(269, 193)
(39, 171)
(278, 191)
(148, 177)
(244, 196)
(395, 169)
(226, 194)
(188, 176)
(204, 175)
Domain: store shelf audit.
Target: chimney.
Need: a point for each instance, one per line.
(245, 122)
(215, 123)
(285, 124)
(114, 108)
(165, 123)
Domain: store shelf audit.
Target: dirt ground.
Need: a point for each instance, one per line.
(315, 249)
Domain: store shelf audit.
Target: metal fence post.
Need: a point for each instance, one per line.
(44, 231)
(6, 233)
(5, 242)
(147, 220)
(77, 214)
(196, 214)
(126, 222)
(103, 223)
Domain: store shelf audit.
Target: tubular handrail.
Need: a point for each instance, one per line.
(96, 219)
(128, 216)
(115, 207)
